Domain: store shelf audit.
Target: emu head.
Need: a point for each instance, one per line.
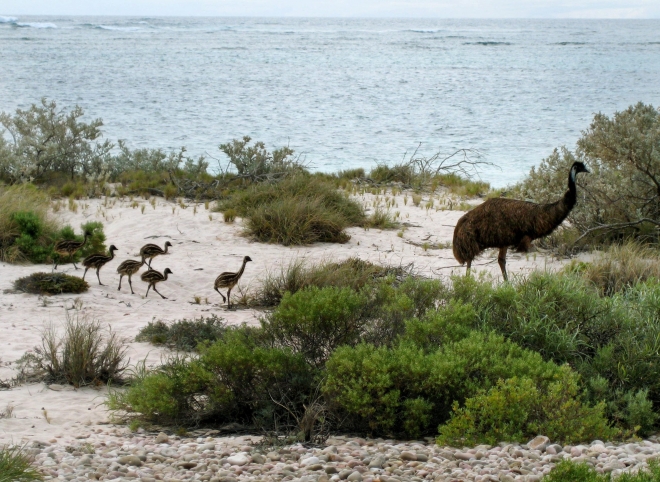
(246, 259)
(576, 168)
(113, 248)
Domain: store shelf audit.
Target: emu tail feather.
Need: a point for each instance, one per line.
(464, 245)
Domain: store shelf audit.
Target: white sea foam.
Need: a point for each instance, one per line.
(117, 28)
(4, 19)
(36, 24)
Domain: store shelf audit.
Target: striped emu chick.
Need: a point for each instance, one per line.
(98, 261)
(152, 277)
(150, 251)
(229, 280)
(504, 223)
(129, 268)
(69, 247)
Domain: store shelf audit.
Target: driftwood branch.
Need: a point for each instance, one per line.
(616, 226)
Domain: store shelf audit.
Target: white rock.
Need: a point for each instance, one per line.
(310, 461)
(238, 459)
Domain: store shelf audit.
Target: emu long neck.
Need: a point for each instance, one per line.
(112, 254)
(166, 248)
(84, 240)
(240, 272)
(558, 211)
(165, 276)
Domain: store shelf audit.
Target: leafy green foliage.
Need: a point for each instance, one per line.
(183, 334)
(315, 321)
(569, 471)
(370, 385)
(16, 465)
(254, 162)
(50, 284)
(518, 409)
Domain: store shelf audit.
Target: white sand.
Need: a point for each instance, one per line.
(202, 248)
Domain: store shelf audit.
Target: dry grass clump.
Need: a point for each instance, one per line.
(83, 355)
(621, 267)
(298, 210)
(352, 272)
(50, 284)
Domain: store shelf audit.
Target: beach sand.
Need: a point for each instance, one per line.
(203, 247)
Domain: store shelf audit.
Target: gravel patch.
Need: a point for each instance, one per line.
(112, 456)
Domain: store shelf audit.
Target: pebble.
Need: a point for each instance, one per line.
(172, 458)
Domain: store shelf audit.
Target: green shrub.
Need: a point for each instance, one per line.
(25, 229)
(16, 465)
(371, 387)
(315, 321)
(50, 284)
(569, 471)
(354, 273)
(448, 324)
(233, 380)
(183, 334)
(256, 163)
(518, 409)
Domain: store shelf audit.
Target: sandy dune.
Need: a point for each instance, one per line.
(203, 246)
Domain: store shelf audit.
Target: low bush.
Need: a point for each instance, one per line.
(16, 465)
(315, 321)
(300, 209)
(353, 273)
(184, 334)
(83, 354)
(233, 380)
(24, 216)
(371, 385)
(380, 219)
(50, 284)
(518, 409)
(569, 471)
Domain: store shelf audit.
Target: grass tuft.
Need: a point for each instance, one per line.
(184, 334)
(50, 284)
(16, 465)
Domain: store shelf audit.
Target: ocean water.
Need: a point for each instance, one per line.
(343, 92)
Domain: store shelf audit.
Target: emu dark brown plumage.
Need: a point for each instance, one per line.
(152, 277)
(98, 261)
(69, 247)
(229, 280)
(504, 223)
(150, 251)
(129, 268)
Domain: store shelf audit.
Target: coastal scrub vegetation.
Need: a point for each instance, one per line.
(50, 284)
(391, 354)
(620, 199)
(569, 471)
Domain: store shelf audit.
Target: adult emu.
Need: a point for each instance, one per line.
(503, 223)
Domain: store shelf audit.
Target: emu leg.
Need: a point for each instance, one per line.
(148, 288)
(130, 284)
(85, 273)
(120, 277)
(469, 263)
(223, 296)
(99, 278)
(159, 292)
(228, 299)
(501, 259)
